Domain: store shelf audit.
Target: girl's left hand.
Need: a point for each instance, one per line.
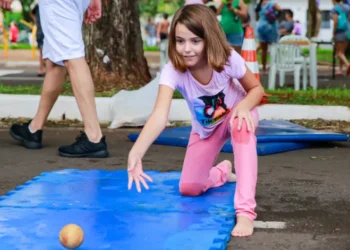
(242, 113)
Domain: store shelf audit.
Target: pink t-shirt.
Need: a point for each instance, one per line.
(209, 104)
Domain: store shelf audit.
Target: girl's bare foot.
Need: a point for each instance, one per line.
(243, 228)
(231, 176)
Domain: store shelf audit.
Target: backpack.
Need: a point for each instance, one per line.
(342, 19)
(270, 14)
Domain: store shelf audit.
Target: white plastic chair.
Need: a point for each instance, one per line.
(283, 59)
(304, 42)
(304, 61)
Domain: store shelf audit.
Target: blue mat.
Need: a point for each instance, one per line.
(112, 217)
(274, 136)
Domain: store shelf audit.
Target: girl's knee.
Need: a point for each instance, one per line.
(235, 126)
(240, 135)
(191, 189)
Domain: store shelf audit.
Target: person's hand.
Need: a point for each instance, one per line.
(136, 174)
(242, 113)
(5, 4)
(93, 12)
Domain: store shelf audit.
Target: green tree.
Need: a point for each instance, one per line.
(149, 7)
(153, 7)
(26, 5)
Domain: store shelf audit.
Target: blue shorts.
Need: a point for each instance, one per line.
(267, 33)
(235, 39)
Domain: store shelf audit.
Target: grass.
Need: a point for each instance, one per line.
(21, 46)
(330, 97)
(36, 90)
(17, 46)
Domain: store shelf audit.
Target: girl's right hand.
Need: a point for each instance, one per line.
(136, 174)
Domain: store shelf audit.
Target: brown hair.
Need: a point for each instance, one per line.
(202, 22)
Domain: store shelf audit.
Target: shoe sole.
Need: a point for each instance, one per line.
(98, 154)
(26, 143)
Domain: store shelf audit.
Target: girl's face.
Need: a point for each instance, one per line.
(190, 46)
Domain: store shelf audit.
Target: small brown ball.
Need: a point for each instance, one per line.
(71, 236)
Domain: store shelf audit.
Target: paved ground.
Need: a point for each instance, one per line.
(308, 189)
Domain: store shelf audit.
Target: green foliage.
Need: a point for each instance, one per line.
(148, 7)
(153, 7)
(24, 15)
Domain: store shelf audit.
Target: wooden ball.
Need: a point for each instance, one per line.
(71, 236)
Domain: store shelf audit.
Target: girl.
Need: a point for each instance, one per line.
(341, 33)
(266, 13)
(203, 68)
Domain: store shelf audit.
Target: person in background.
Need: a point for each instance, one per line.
(14, 32)
(267, 12)
(35, 14)
(64, 51)
(341, 34)
(287, 26)
(162, 40)
(151, 33)
(246, 22)
(232, 13)
(297, 30)
(1, 20)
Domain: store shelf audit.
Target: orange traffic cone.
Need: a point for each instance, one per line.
(250, 56)
(249, 52)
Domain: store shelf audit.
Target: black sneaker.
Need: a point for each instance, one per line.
(21, 133)
(82, 147)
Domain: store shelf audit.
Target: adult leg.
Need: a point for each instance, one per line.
(83, 88)
(163, 52)
(340, 53)
(264, 48)
(30, 135)
(91, 143)
(52, 87)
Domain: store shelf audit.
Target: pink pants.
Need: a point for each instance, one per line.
(198, 173)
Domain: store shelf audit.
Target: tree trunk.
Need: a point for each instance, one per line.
(114, 47)
(311, 18)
